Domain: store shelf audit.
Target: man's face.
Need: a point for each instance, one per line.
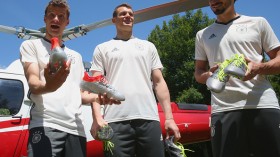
(220, 6)
(124, 19)
(56, 20)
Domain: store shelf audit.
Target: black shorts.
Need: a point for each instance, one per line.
(49, 142)
(141, 138)
(246, 133)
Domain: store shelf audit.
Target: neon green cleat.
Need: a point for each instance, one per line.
(238, 67)
(174, 149)
(217, 81)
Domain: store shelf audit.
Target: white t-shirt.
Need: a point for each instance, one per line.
(245, 35)
(60, 109)
(128, 66)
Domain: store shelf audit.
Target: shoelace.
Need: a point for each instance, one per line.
(239, 60)
(99, 78)
(103, 80)
(221, 74)
(181, 147)
(105, 134)
(108, 146)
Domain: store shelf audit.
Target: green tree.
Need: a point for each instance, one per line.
(274, 80)
(190, 95)
(4, 112)
(175, 42)
(3, 106)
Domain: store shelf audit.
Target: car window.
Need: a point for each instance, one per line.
(11, 96)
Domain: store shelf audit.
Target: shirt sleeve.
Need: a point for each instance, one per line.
(28, 52)
(200, 53)
(97, 61)
(268, 37)
(156, 62)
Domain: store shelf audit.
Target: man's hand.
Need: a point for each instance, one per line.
(55, 80)
(170, 125)
(252, 69)
(104, 100)
(214, 68)
(96, 125)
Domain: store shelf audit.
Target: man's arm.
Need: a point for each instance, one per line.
(202, 72)
(36, 86)
(163, 96)
(52, 81)
(88, 97)
(264, 68)
(98, 120)
(273, 65)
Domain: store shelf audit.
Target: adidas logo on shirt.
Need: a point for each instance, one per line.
(115, 49)
(212, 36)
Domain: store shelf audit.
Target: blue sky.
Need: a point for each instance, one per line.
(29, 13)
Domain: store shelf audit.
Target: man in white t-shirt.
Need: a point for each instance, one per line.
(245, 116)
(133, 67)
(56, 122)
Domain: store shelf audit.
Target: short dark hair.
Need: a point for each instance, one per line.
(58, 3)
(121, 5)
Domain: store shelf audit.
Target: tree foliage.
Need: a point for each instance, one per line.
(190, 95)
(274, 80)
(175, 42)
